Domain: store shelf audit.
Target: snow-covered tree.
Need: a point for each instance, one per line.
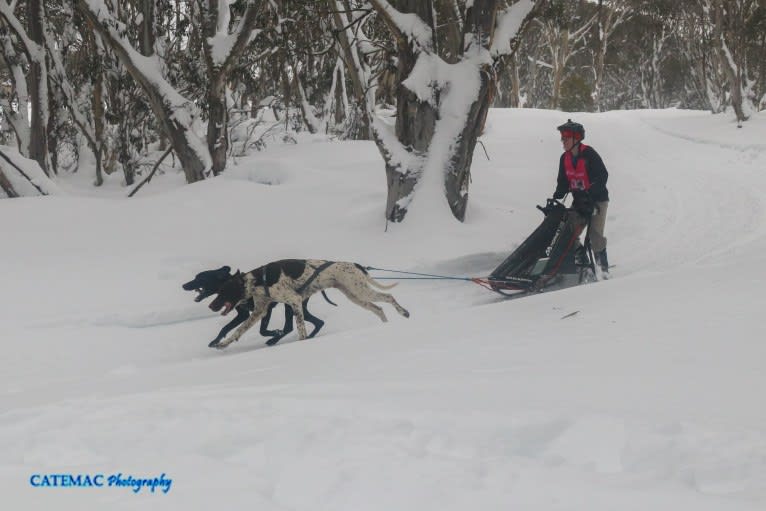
(611, 14)
(441, 105)
(30, 76)
(732, 21)
(176, 114)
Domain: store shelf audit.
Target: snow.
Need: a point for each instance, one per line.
(649, 397)
(508, 23)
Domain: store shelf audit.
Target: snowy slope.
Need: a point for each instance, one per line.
(649, 397)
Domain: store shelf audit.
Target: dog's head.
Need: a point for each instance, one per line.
(208, 283)
(230, 294)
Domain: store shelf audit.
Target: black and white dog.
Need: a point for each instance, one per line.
(208, 283)
(292, 282)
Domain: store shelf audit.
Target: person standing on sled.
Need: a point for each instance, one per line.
(582, 172)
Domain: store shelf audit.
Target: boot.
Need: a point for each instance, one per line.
(602, 260)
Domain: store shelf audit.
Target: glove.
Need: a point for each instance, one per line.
(550, 204)
(582, 203)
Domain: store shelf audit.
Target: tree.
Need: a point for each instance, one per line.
(440, 105)
(565, 31)
(222, 49)
(611, 14)
(731, 21)
(175, 113)
(33, 79)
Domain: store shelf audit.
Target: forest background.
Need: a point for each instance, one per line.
(143, 86)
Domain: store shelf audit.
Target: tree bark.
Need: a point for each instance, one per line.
(415, 119)
(217, 137)
(38, 81)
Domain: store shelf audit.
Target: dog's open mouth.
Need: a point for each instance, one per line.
(227, 308)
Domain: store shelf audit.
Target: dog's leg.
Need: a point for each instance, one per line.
(288, 325)
(288, 319)
(318, 323)
(363, 303)
(242, 314)
(294, 300)
(385, 297)
(265, 323)
(258, 313)
(369, 294)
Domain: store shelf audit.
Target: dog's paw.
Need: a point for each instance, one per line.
(214, 343)
(220, 345)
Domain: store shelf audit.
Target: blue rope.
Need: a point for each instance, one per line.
(422, 276)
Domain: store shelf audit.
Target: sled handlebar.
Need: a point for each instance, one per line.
(550, 204)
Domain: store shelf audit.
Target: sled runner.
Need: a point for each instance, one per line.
(552, 256)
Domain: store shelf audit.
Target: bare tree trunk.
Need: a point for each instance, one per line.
(38, 81)
(218, 121)
(340, 110)
(351, 59)
(217, 124)
(449, 31)
(515, 99)
(146, 42)
(559, 63)
(97, 101)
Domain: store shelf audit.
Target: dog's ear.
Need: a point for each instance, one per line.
(239, 275)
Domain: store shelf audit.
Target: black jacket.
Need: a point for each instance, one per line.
(597, 175)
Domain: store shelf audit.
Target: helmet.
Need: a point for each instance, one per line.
(572, 129)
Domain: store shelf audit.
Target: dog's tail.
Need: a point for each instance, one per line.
(328, 299)
(375, 283)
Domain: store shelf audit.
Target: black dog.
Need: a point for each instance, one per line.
(208, 283)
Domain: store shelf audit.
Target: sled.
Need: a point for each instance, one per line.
(551, 257)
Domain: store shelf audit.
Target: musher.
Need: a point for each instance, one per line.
(583, 173)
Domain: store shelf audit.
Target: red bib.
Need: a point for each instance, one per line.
(577, 175)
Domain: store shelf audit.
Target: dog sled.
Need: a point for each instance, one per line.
(552, 257)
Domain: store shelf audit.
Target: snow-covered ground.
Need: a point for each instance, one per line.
(651, 396)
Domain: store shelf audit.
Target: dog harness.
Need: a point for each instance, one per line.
(319, 269)
(577, 174)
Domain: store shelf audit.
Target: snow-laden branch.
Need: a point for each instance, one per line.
(407, 25)
(149, 66)
(225, 47)
(509, 22)
(177, 114)
(34, 52)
